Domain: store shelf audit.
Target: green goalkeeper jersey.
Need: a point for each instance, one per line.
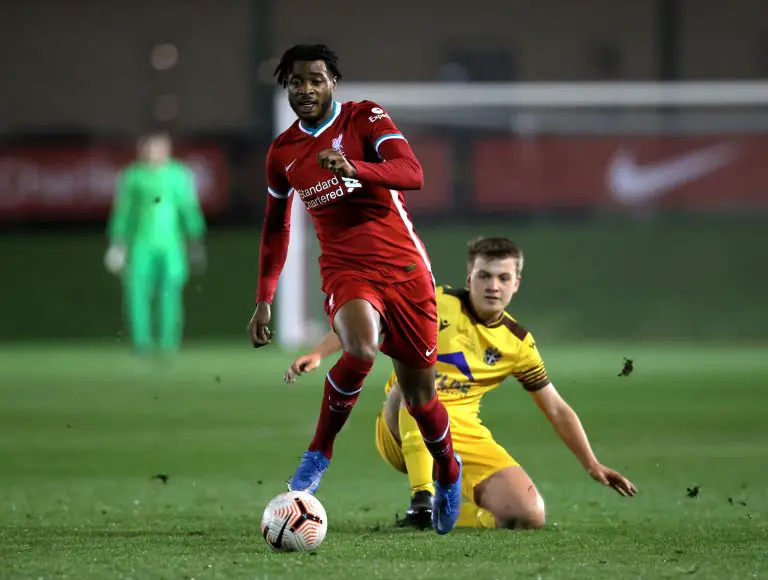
(156, 205)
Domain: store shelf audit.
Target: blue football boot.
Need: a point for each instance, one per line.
(447, 504)
(310, 472)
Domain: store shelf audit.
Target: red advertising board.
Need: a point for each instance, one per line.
(691, 173)
(79, 183)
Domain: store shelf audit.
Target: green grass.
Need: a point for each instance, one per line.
(84, 428)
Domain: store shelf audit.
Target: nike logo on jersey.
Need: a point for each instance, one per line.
(630, 183)
(444, 324)
(287, 167)
(430, 351)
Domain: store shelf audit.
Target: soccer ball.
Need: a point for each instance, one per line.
(294, 521)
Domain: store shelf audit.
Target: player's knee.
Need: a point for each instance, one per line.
(531, 517)
(362, 349)
(532, 520)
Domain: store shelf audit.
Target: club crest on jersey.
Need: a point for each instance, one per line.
(491, 356)
(336, 143)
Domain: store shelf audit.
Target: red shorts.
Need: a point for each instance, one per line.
(408, 310)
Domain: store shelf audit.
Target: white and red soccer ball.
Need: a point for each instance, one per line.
(294, 521)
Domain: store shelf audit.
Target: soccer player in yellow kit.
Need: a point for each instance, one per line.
(479, 345)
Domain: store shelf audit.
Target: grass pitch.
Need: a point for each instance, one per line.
(114, 468)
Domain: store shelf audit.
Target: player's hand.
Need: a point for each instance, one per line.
(258, 327)
(304, 364)
(335, 162)
(613, 479)
(198, 257)
(115, 258)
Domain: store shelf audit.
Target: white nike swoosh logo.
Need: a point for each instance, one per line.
(430, 351)
(287, 167)
(629, 182)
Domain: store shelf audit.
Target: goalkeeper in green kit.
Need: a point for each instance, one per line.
(155, 231)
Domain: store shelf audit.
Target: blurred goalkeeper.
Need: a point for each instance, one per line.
(155, 230)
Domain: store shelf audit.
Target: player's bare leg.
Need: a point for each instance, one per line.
(357, 324)
(418, 388)
(511, 496)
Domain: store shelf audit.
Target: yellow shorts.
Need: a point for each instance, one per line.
(481, 455)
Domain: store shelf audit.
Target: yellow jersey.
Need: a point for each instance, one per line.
(474, 358)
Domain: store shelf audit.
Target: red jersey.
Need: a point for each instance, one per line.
(362, 223)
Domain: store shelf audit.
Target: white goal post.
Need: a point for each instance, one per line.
(294, 325)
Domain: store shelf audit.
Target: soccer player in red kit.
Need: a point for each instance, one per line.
(349, 164)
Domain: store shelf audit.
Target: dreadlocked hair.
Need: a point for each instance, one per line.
(306, 52)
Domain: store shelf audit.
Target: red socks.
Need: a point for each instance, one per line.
(342, 388)
(434, 425)
(343, 385)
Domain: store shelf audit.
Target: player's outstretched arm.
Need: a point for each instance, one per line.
(568, 426)
(310, 361)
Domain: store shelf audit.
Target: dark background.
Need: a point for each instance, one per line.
(78, 81)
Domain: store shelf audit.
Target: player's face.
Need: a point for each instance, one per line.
(155, 149)
(492, 284)
(310, 91)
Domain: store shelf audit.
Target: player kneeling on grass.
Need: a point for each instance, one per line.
(479, 345)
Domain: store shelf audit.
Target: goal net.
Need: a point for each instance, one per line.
(496, 150)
